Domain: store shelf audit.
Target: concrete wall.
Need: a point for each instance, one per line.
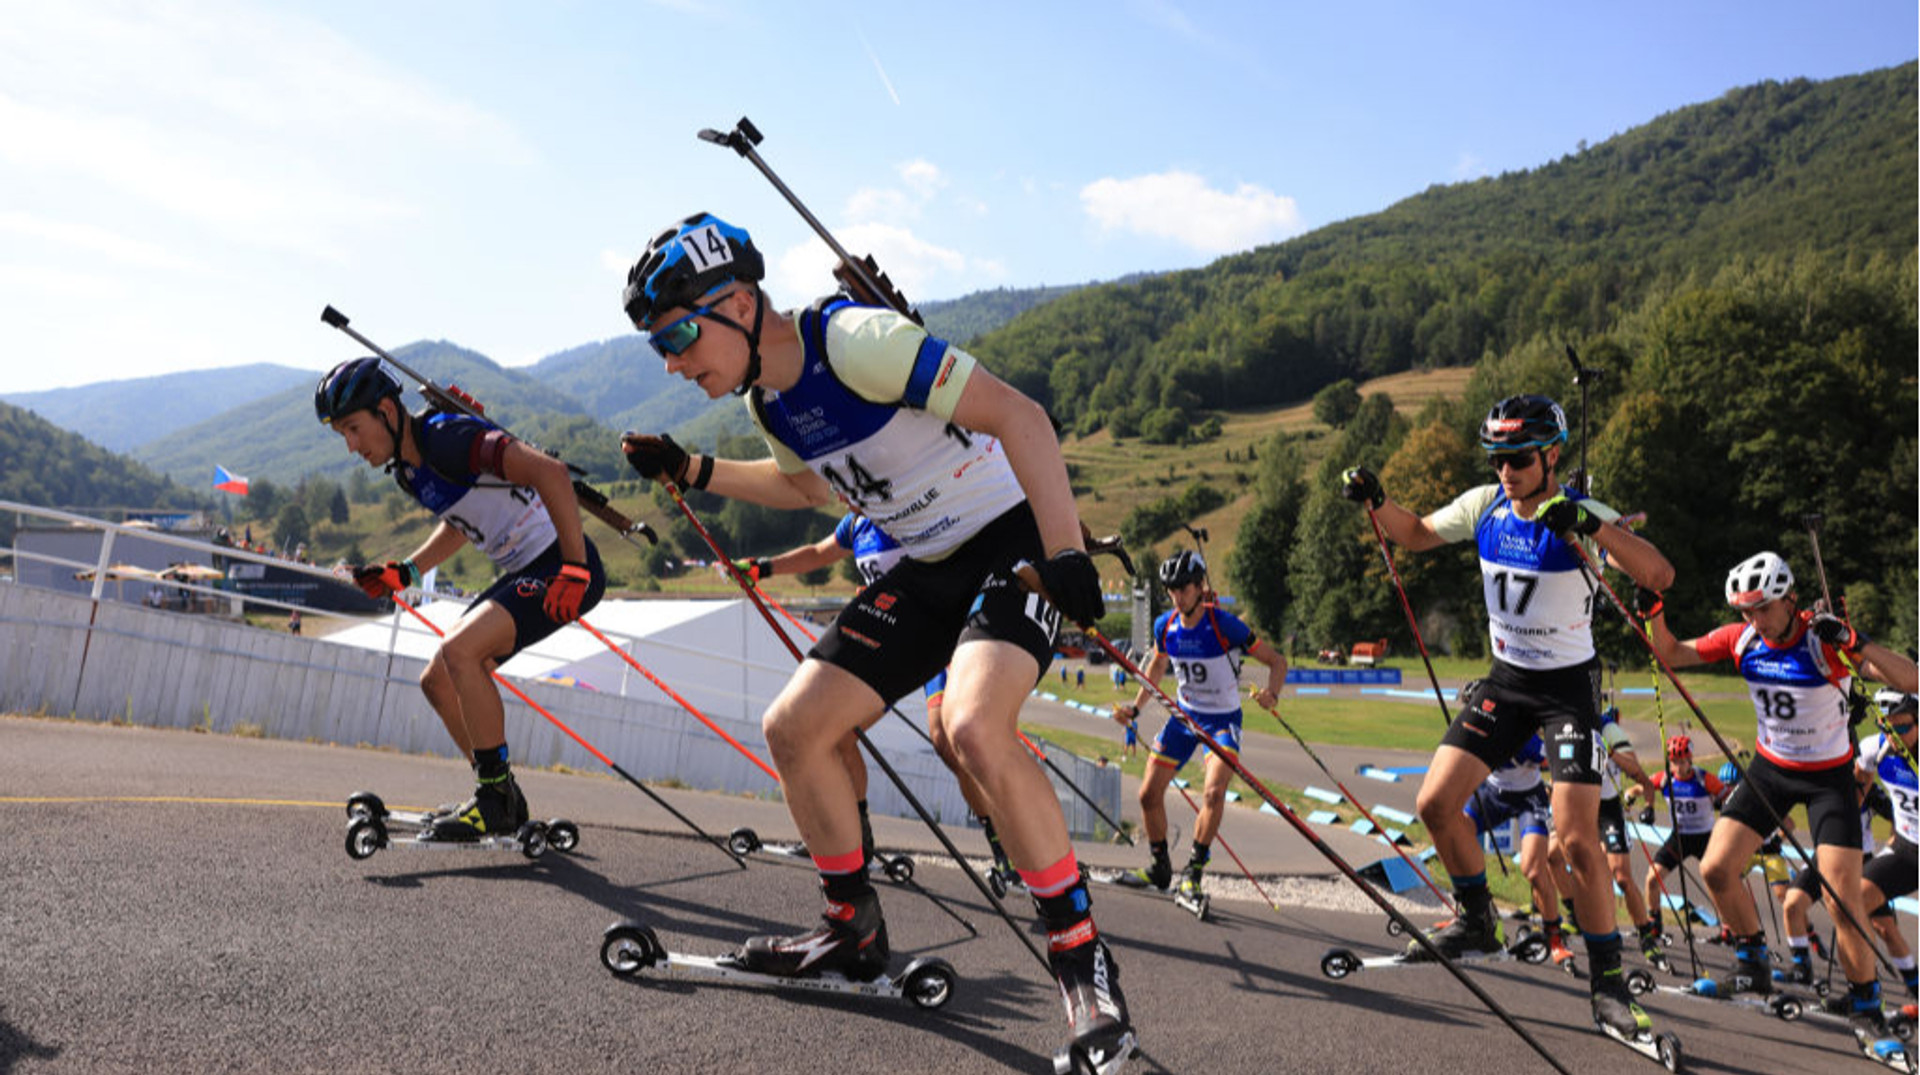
(60, 654)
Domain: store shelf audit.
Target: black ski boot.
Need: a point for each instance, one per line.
(1750, 973)
(1158, 875)
(1798, 972)
(1089, 981)
(1471, 933)
(1650, 950)
(1615, 1008)
(851, 940)
(497, 808)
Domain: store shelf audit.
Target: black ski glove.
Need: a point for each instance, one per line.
(1564, 517)
(655, 457)
(1073, 584)
(1649, 603)
(1837, 633)
(1360, 486)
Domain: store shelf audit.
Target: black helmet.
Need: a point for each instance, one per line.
(685, 262)
(1523, 422)
(1182, 568)
(355, 385)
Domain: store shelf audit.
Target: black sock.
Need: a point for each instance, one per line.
(490, 763)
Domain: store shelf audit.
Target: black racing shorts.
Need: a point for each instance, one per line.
(1833, 811)
(901, 630)
(1681, 846)
(1613, 826)
(1895, 871)
(523, 594)
(1511, 704)
(1491, 808)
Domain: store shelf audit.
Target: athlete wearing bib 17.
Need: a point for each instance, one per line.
(966, 474)
(1545, 678)
(1798, 665)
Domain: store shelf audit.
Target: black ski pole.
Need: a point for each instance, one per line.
(1814, 522)
(1030, 577)
(590, 748)
(747, 588)
(592, 501)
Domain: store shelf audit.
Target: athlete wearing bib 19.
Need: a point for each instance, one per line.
(965, 473)
(1797, 665)
(1544, 679)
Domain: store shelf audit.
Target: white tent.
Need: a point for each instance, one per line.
(718, 655)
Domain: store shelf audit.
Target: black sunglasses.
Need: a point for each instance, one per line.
(1516, 460)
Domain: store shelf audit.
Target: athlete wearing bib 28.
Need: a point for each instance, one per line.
(1545, 678)
(1895, 871)
(514, 504)
(1796, 666)
(1204, 647)
(966, 474)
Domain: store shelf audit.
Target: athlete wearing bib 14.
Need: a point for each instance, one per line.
(1544, 679)
(966, 474)
(1796, 663)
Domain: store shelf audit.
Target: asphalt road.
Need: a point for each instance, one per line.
(184, 902)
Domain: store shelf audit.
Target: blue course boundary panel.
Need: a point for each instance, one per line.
(1343, 676)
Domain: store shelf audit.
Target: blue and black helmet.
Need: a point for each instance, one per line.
(354, 385)
(1519, 422)
(687, 261)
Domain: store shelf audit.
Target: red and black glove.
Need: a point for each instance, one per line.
(387, 579)
(1837, 633)
(565, 591)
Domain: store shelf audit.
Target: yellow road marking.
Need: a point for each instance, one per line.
(37, 799)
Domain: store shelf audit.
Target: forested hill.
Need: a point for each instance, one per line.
(44, 465)
(121, 415)
(1458, 271)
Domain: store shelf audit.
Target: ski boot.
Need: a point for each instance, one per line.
(497, 808)
(1189, 897)
(1089, 982)
(1469, 934)
(1159, 876)
(850, 940)
(1750, 973)
(1558, 951)
(1616, 1012)
(1798, 972)
(1650, 949)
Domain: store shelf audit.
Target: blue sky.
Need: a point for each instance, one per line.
(184, 185)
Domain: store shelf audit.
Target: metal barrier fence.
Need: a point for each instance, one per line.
(72, 655)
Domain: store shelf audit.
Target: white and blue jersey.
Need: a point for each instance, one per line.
(1886, 761)
(872, 413)
(506, 522)
(1539, 603)
(1206, 661)
(1515, 792)
(874, 553)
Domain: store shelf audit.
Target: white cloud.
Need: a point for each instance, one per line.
(88, 238)
(1469, 166)
(882, 204)
(265, 127)
(922, 177)
(1181, 207)
(917, 267)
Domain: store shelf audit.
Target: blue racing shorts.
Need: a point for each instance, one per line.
(1175, 743)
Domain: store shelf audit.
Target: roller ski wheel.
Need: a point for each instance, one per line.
(627, 948)
(365, 836)
(365, 804)
(898, 868)
(1079, 1059)
(562, 835)
(743, 841)
(1192, 900)
(1901, 1023)
(1662, 1048)
(1395, 929)
(1338, 963)
(1639, 982)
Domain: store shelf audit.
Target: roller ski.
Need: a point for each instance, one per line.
(1002, 878)
(1653, 948)
(472, 826)
(1529, 948)
(744, 841)
(628, 948)
(1157, 877)
(1560, 954)
(1616, 1015)
(1189, 897)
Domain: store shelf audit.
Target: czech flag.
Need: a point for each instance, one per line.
(228, 483)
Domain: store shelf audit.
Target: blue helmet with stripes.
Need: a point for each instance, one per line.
(687, 261)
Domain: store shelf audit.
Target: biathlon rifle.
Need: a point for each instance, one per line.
(451, 398)
(860, 276)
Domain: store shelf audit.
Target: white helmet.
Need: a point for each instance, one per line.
(1892, 701)
(1764, 578)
